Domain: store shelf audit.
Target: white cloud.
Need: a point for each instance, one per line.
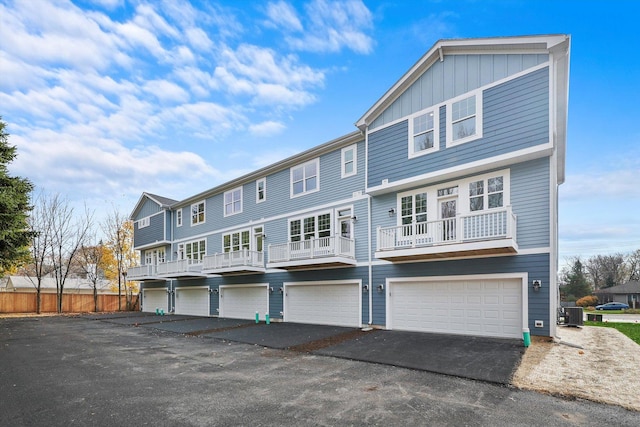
(283, 15)
(166, 91)
(267, 128)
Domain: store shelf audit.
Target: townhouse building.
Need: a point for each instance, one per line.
(438, 213)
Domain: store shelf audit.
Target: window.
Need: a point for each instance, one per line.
(197, 213)
(464, 119)
(144, 222)
(261, 190)
(423, 133)
(179, 218)
(312, 227)
(413, 208)
(233, 201)
(305, 178)
(486, 192)
(154, 256)
(349, 160)
(235, 241)
(194, 251)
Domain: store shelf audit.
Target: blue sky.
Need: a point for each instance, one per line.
(106, 99)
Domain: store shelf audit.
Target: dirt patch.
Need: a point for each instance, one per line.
(593, 363)
(329, 341)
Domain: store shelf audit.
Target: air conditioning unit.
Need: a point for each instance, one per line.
(573, 316)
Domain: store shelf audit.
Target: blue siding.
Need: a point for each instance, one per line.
(530, 198)
(456, 75)
(538, 267)
(151, 234)
(515, 116)
(148, 208)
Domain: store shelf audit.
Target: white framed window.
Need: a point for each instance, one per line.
(349, 160)
(198, 213)
(179, 218)
(155, 256)
(464, 118)
(233, 201)
(144, 222)
(310, 227)
(235, 241)
(194, 251)
(486, 193)
(413, 208)
(305, 178)
(261, 190)
(424, 135)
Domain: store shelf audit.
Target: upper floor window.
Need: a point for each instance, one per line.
(233, 201)
(198, 213)
(349, 161)
(179, 218)
(486, 194)
(311, 227)
(155, 256)
(305, 178)
(413, 208)
(193, 251)
(423, 133)
(261, 190)
(235, 241)
(464, 119)
(144, 222)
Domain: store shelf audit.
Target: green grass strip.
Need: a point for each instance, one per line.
(632, 330)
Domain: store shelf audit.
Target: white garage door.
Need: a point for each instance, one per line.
(155, 298)
(324, 304)
(193, 301)
(491, 307)
(242, 302)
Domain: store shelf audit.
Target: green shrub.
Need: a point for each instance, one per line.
(587, 301)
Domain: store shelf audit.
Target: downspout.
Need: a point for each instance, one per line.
(369, 243)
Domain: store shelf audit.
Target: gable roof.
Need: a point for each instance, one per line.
(163, 202)
(631, 287)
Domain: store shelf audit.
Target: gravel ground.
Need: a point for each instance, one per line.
(594, 363)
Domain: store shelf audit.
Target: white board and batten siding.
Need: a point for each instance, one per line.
(156, 298)
(242, 301)
(336, 303)
(193, 301)
(490, 306)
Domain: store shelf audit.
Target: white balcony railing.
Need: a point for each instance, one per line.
(239, 259)
(183, 266)
(141, 271)
(331, 246)
(491, 225)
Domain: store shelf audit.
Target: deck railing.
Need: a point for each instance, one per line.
(241, 258)
(179, 267)
(491, 225)
(139, 271)
(312, 248)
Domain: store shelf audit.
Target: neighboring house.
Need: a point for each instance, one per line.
(48, 285)
(628, 293)
(439, 214)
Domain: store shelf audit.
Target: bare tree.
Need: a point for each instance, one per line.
(91, 258)
(118, 231)
(633, 265)
(68, 234)
(40, 225)
(607, 270)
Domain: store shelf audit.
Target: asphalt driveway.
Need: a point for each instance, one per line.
(486, 359)
(65, 371)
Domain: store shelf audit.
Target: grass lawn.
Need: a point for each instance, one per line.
(632, 330)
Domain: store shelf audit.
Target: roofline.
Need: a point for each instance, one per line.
(344, 140)
(540, 43)
(140, 202)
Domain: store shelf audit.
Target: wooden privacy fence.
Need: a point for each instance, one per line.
(25, 302)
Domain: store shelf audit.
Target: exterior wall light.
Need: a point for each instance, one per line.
(392, 212)
(537, 284)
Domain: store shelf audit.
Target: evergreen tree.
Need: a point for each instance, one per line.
(14, 209)
(575, 279)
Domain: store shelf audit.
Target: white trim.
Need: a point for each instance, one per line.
(479, 166)
(144, 222)
(343, 173)
(192, 288)
(305, 191)
(320, 283)
(264, 189)
(221, 289)
(435, 110)
(233, 201)
(179, 217)
(524, 277)
(478, 94)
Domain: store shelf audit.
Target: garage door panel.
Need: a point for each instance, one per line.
(243, 302)
(324, 304)
(154, 299)
(477, 307)
(194, 302)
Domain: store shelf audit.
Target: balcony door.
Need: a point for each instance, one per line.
(448, 209)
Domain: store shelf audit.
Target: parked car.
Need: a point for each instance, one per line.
(612, 306)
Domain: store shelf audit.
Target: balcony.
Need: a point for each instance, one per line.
(143, 272)
(234, 262)
(477, 234)
(331, 251)
(183, 268)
